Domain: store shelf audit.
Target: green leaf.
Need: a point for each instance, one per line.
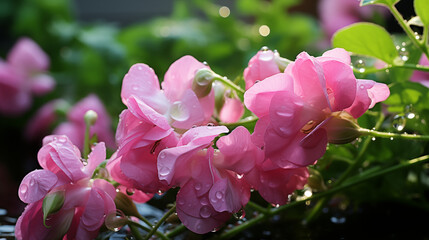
(380, 2)
(52, 203)
(422, 9)
(366, 39)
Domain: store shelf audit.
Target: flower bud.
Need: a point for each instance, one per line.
(202, 83)
(315, 180)
(342, 128)
(90, 117)
(126, 205)
(52, 203)
(281, 62)
(115, 220)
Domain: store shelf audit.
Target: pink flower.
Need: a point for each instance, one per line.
(84, 202)
(295, 107)
(23, 75)
(420, 76)
(211, 181)
(261, 66)
(336, 14)
(232, 110)
(154, 120)
(75, 127)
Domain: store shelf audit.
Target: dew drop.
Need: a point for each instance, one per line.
(219, 194)
(164, 171)
(32, 182)
(373, 138)
(179, 112)
(210, 125)
(130, 191)
(403, 53)
(206, 211)
(181, 202)
(62, 139)
(275, 205)
(239, 215)
(265, 49)
(23, 189)
(162, 155)
(204, 201)
(197, 186)
(409, 112)
(399, 122)
(240, 176)
(160, 192)
(359, 65)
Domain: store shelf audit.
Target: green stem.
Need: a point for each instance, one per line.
(408, 30)
(347, 184)
(176, 231)
(86, 141)
(135, 231)
(144, 220)
(133, 225)
(256, 207)
(160, 222)
(406, 65)
(230, 84)
(373, 133)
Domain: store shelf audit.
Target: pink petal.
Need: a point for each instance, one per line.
(28, 57)
(146, 113)
(187, 112)
(340, 83)
(40, 123)
(261, 66)
(208, 104)
(368, 93)
(229, 194)
(232, 110)
(420, 76)
(97, 156)
(142, 83)
(306, 71)
(36, 185)
(196, 213)
(277, 184)
(61, 155)
(338, 54)
(201, 135)
(258, 97)
(74, 132)
(238, 161)
(42, 84)
(179, 77)
(14, 97)
(137, 195)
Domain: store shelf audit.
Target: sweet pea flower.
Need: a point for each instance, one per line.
(80, 203)
(211, 181)
(420, 76)
(155, 119)
(23, 75)
(295, 108)
(261, 66)
(74, 128)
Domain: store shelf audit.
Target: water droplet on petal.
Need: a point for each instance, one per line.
(265, 49)
(204, 201)
(219, 194)
(164, 171)
(23, 189)
(359, 65)
(130, 191)
(62, 139)
(179, 112)
(240, 176)
(206, 211)
(197, 186)
(32, 182)
(162, 155)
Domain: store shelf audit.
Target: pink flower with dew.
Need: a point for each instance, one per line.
(22, 75)
(420, 76)
(336, 14)
(232, 110)
(154, 120)
(295, 107)
(211, 181)
(86, 201)
(261, 66)
(275, 184)
(75, 127)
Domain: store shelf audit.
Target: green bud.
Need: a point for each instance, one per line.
(342, 128)
(115, 220)
(315, 180)
(52, 203)
(202, 83)
(90, 117)
(126, 205)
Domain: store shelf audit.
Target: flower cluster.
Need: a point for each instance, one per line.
(22, 75)
(175, 135)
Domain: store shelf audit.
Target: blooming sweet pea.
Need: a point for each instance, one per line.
(261, 66)
(155, 118)
(296, 107)
(22, 75)
(62, 198)
(211, 181)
